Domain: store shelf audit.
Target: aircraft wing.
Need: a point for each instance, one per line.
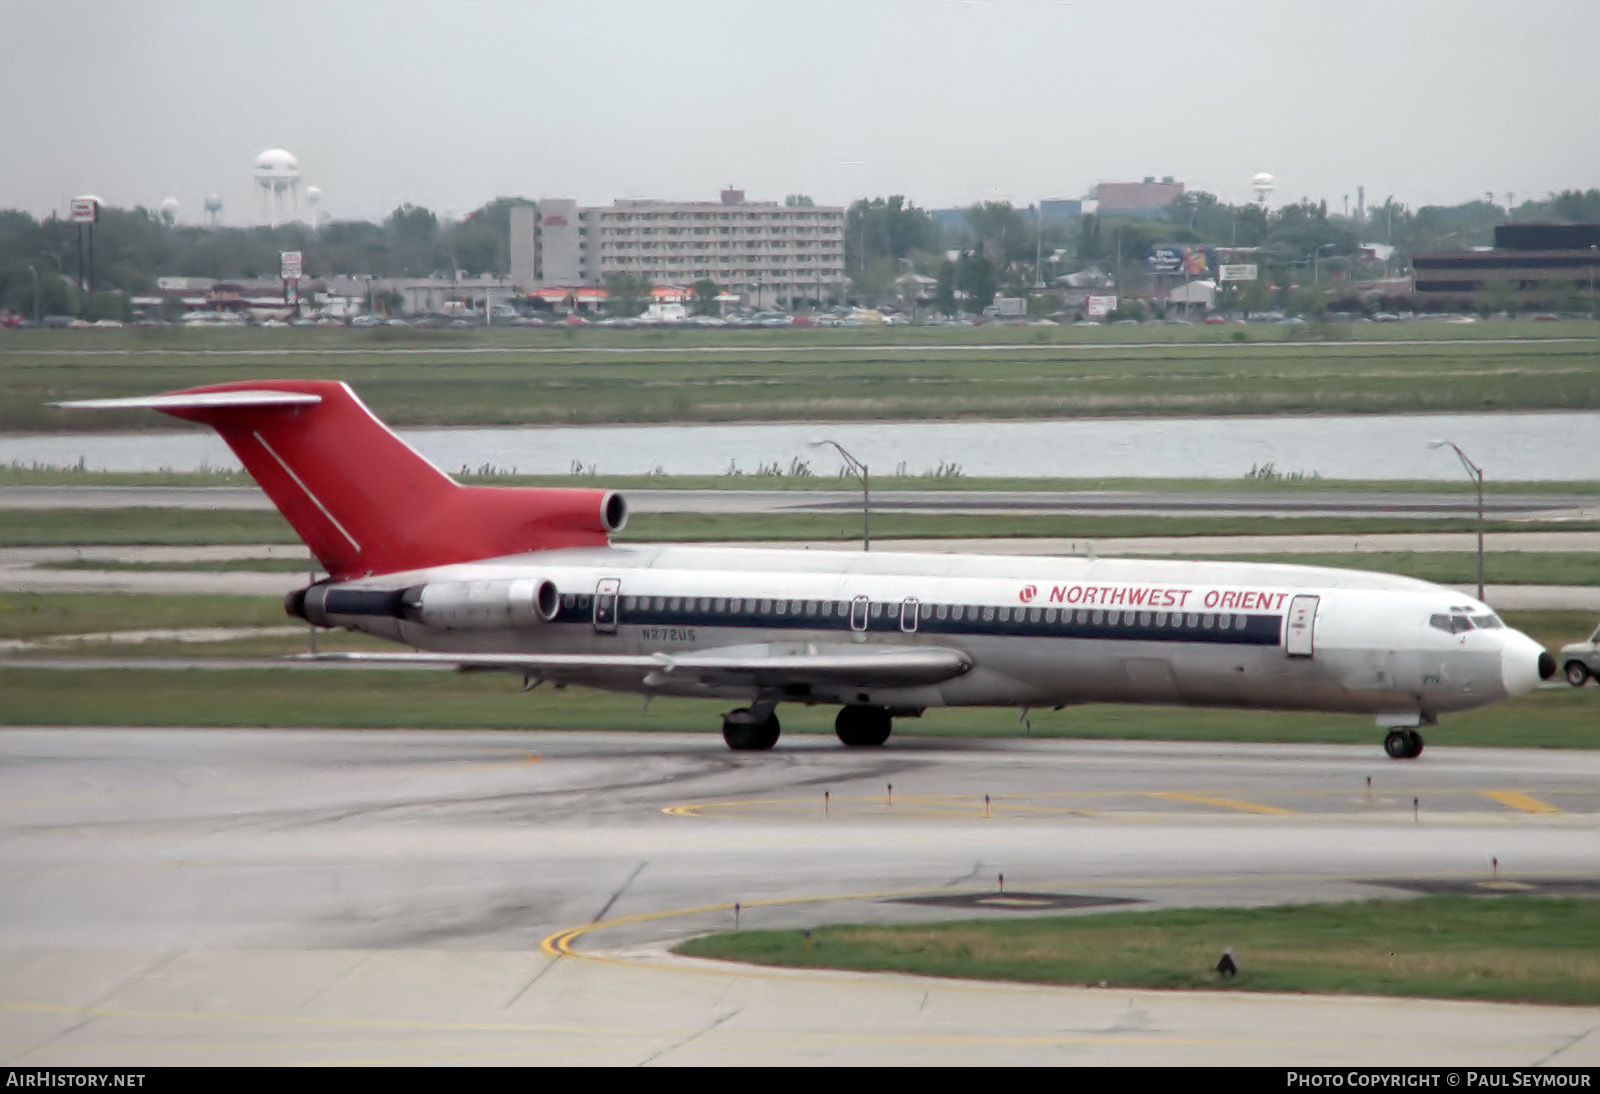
(768, 664)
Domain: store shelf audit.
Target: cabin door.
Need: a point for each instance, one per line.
(605, 605)
(1300, 628)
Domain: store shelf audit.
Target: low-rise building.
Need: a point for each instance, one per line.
(1532, 264)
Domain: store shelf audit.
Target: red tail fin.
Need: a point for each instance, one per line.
(362, 499)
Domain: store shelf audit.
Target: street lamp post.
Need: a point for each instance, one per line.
(1476, 474)
(859, 470)
(1316, 278)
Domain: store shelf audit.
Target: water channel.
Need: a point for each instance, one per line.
(1557, 445)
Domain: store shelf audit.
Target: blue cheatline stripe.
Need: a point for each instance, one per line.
(769, 613)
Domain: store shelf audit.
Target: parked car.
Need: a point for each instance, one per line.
(1581, 660)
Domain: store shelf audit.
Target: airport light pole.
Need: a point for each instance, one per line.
(1316, 278)
(859, 470)
(1475, 473)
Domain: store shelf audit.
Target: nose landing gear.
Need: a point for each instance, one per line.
(1403, 744)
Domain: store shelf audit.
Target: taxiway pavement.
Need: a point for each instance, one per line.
(276, 896)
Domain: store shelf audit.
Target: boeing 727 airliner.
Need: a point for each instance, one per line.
(526, 581)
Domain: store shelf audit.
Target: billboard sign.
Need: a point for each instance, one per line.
(1177, 259)
(1167, 259)
(85, 211)
(1098, 307)
(289, 265)
(1237, 272)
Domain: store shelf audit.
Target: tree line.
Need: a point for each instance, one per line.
(993, 247)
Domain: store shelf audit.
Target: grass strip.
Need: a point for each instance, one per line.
(845, 525)
(39, 615)
(178, 527)
(310, 697)
(420, 378)
(1520, 948)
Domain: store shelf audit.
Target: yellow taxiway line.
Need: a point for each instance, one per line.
(1516, 799)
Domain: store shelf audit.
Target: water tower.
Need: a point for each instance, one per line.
(169, 210)
(1263, 185)
(213, 207)
(314, 199)
(278, 175)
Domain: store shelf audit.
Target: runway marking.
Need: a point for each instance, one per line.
(1223, 803)
(1516, 799)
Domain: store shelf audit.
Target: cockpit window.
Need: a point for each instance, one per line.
(1488, 622)
(1450, 624)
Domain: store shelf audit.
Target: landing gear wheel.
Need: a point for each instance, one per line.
(745, 733)
(1577, 673)
(1403, 744)
(863, 727)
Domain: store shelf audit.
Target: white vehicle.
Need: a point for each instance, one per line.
(525, 580)
(664, 313)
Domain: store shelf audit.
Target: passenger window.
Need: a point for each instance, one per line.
(1191, 621)
(877, 611)
(941, 611)
(1206, 622)
(1144, 619)
(988, 614)
(630, 602)
(1098, 618)
(927, 611)
(1113, 618)
(1083, 617)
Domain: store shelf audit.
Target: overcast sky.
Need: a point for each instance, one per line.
(449, 103)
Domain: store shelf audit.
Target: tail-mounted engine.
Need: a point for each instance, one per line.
(457, 605)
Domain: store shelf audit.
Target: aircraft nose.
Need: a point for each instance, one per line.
(1524, 663)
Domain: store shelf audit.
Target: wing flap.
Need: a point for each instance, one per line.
(771, 664)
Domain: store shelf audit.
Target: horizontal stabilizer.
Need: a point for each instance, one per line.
(199, 400)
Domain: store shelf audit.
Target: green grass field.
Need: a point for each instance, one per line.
(517, 377)
(177, 527)
(1505, 948)
(380, 699)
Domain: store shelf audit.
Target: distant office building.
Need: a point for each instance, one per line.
(765, 251)
(1532, 262)
(1137, 199)
(524, 222)
(1056, 210)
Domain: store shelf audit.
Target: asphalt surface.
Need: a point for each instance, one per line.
(1220, 503)
(303, 897)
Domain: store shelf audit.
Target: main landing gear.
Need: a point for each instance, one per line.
(863, 727)
(1403, 744)
(755, 728)
(750, 729)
